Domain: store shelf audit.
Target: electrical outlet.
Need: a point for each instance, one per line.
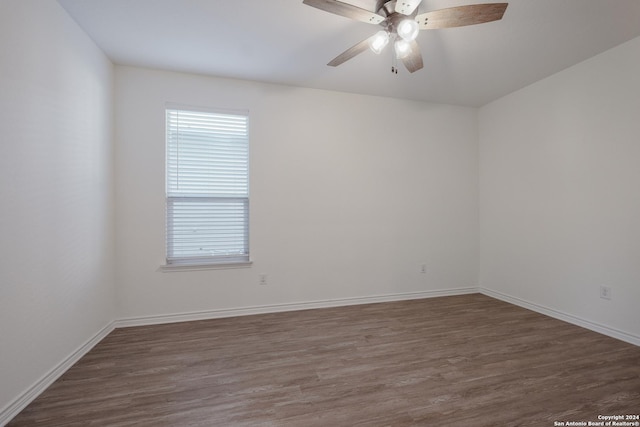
(262, 279)
(423, 268)
(605, 292)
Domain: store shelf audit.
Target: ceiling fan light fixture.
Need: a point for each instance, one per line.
(402, 21)
(402, 48)
(378, 42)
(408, 29)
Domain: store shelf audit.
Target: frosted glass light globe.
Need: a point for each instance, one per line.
(379, 41)
(402, 48)
(408, 29)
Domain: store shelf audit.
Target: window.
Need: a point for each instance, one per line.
(207, 187)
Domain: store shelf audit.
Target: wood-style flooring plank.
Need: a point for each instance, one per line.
(463, 360)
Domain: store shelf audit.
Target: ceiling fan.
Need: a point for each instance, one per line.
(401, 22)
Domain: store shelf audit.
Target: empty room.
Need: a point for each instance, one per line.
(319, 213)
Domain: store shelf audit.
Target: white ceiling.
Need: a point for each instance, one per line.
(287, 42)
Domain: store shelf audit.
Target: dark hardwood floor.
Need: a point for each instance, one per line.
(455, 361)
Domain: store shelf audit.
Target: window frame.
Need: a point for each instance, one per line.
(173, 263)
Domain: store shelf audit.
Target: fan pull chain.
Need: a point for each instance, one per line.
(394, 64)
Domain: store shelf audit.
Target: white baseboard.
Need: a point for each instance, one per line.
(21, 402)
(588, 324)
(276, 308)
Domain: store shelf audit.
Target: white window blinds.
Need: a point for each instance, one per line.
(207, 187)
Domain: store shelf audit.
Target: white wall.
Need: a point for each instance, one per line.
(56, 192)
(560, 191)
(350, 195)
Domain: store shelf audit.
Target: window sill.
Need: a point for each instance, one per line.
(174, 268)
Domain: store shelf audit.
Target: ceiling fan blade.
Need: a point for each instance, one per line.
(413, 61)
(461, 16)
(350, 53)
(346, 10)
(406, 7)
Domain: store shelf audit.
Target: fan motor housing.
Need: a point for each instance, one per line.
(393, 18)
